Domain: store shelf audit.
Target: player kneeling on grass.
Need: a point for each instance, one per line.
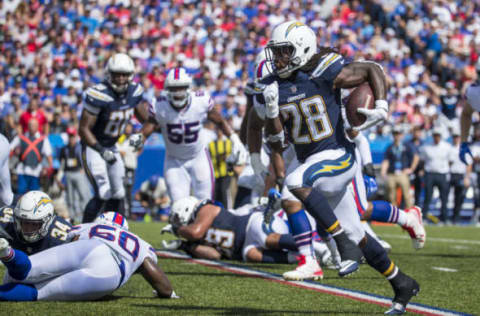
(102, 256)
(32, 225)
(213, 232)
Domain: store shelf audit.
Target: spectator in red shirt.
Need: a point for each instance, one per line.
(33, 111)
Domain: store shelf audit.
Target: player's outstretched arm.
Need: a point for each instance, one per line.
(156, 278)
(141, 112)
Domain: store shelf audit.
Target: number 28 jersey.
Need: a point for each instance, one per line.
(310, 107)
(181, 128)
(127, 248)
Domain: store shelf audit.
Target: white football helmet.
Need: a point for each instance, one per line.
(261, 68)
(33, 215)
(112, 218)
(182, 210)
(123, 64)
(291, 46)
(178, 84)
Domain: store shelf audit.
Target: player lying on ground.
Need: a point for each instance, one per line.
(101, 257)
(32, 225)
(213, 232)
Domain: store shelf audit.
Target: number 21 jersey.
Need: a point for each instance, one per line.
(181, 128)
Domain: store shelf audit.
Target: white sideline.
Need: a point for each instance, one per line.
(447, 240)
(328, 289)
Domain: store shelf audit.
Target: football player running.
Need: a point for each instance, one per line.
(102, 256)
(212, 232)
(6, 194)
(32, 225)
(304, 96)
(108, 106)
(180, 113)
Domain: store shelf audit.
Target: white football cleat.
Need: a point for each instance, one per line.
(5, 249)
(306, 270)
(414, 227)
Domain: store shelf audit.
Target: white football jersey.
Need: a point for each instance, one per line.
(181, 129)
(473, 96)
(126, 246)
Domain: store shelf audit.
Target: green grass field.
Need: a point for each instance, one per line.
(208, 291)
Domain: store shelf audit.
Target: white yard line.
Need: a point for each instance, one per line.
(447, 240)
(315, 286)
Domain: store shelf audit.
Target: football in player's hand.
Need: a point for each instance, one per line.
(360, 97)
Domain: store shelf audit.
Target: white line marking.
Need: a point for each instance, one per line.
(328, 289)
(459, 247)
(444, 269)
(448, 240)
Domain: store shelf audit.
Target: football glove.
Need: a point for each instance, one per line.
(464, 152)
(239, 153)
(136, 141)
(108, 156)
(168, 229)
(172, 244)
(270, 94)
(374, 116)
(370, 185)
(369, 170)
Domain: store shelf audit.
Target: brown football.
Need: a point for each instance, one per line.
(360, 97)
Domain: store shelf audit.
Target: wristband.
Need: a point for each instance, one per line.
(280, 137)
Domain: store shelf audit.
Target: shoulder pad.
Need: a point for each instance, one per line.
(266, 81)
(93, 94)
(325, 62)
(138, 90)
(100, 87)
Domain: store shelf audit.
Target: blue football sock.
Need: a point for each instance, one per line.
(302, 232)
(19, 265)
(383, 212)
(18, 292)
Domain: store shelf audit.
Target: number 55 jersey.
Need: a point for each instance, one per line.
(128, 249)
(187, 162)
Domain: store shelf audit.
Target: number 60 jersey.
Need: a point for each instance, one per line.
(181, 128)
(128, 249)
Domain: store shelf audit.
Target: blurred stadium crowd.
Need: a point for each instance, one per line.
(52, 50)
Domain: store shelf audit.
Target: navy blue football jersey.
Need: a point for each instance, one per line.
(227, 233)
(310, 107)
(57, 233)
(113, 110)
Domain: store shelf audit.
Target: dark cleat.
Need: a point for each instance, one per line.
(405, 288)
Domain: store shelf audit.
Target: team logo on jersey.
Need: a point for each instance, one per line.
(293, 26)
(293, 89)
